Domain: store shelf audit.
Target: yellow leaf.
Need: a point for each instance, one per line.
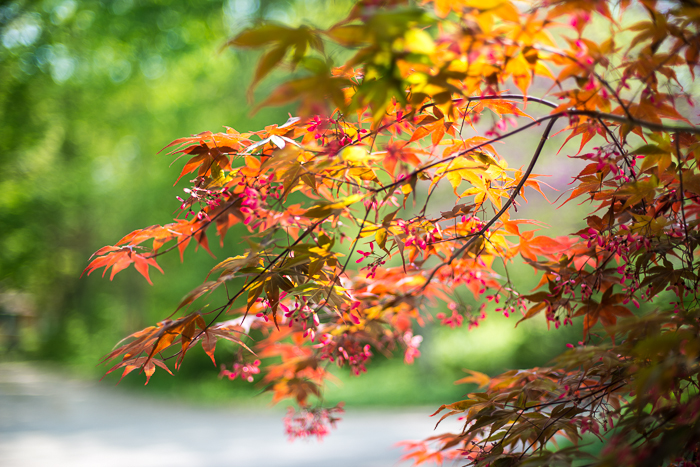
(327, 209)
(380, 237)
(483, 4)
(355, 155)
(419, 41)
(362, 173)
(478, 378)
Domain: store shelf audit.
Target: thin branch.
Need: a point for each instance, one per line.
(263, 272)
(502, 211)
(681, 199)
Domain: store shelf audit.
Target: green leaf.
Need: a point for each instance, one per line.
(648, 150)
(350, 35)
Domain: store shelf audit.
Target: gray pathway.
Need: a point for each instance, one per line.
(48, 421)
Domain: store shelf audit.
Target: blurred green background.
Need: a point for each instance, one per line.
(90, 91)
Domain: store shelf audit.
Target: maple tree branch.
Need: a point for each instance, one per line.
(551, 120)
(670, 56)
(606, 390)
(245, 287)
(202, 227)
(693, 130)
(591, 70)
(520, 97)
(474, 148)
(575, 395)
(630, 166)
(434, 187)
(552, 117)
(505, 207)
(347, 261)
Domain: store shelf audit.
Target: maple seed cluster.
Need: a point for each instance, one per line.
(345, 351)
(309, 422)
(245, 371)
(607, 159)
(373, 266)
(461, 311)
(512, 303)
(205, 197)
(329, 132)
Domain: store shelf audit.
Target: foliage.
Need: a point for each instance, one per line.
(385, 168)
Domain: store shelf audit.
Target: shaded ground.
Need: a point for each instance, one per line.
(46, 420)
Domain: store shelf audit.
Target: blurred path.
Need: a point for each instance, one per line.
(48, 421)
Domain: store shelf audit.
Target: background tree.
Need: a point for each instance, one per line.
(75, 172)
(387, 167)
